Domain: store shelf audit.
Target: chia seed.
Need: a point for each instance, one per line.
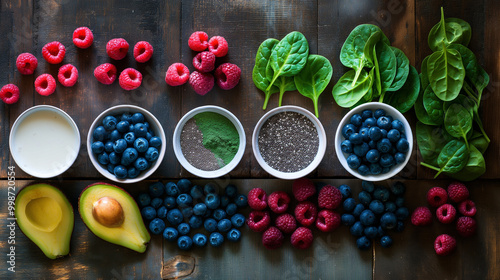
(288, 141)
(194, 151)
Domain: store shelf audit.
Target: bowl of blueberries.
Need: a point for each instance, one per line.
(126, 143)
(374, 141)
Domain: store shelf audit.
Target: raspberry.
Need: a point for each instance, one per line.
(437, 196)
(204, 62)
(227, 75)
(422, 216)
(68, 75)
(257, 198)
(9, 94)
(83, 37)
(278, 202)
(272, 238)
(143, 51)
(218, 46)
(305, 213)
(303, 188)
(54, 52)
(466, 226)
(177, 74)
(328, 220)
(457, 192)
(45, 84)
(202, 83)
(467, 208)
(444, 244)
(117, 48)
(302, 238)
(329, 197)
(105, 73)
(259, 221)
(130, 79)
(286, 223)
(446, 213)
(26, 63)
(198, 41)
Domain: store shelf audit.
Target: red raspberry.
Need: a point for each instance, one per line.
(303, 188)
(9, 94)
(286, 223)
(105, 73)
(177, 74)
(45, 84)
(272, 238)
(278, 202)
(446, 213)
(444, 244)
(259, 221)
(422, 216)
(466, 226)
(202, 83)
(117, 48)
(302, 238)
(68, 75)
(143, 51)
(457, 192)
(467, 208)
(198, 41)
(83, 37)
(328, 220)
(329, 197)
(204, 62)
(227, 76)
(305, 213)
(130, 79)
(54, 52)
(26, 63)
(218, 46)
(437, 196)
(257, 198)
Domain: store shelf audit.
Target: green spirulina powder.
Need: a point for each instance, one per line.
(219, 136)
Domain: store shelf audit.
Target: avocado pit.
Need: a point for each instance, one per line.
(108, 212)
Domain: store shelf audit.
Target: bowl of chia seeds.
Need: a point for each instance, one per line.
(289, 142)
(209, 141)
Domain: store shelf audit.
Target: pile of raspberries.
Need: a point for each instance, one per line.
(447, 203)
(305, 214)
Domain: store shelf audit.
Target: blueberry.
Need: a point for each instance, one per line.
(133, 172)
(384, 145)
(231, 191)
(183, 228)
(345, 190)
(184, 200)
(120, 172)
(375, 168)
(109, 123)
(212, 201)
(386, 160)
(209, 188)
(361, 150)
(108, 147)
(384, 133)
(187, 212)
(157, 226)
(129, 156)
(397, 124)
(353, 161)
(156, 189)
(174, 217)
(234, 235)
(367, 186)
(103, 158)
(216, 239)
(386, 241)
(349, 204)
(137, 118)
(347, 219)
(363, 243)
(388, 221)
(143, 200)
(390, 206)
(356, 138)
(126, 117)
(195, 222)
(356, 119)
(171, 189)
(184, 185)
(140, 130)
(238, 220)
(366, 114)
(400, 226)
(365, 132)
(241, 201)
(379, 113)
(403, 146)
(152, 154)
(119, 146)
(170, 234)
(99, 133)
(373, 156)
(129, 138)
(363, 170)
(184, 243)
(357, 229)
(402, 213)
(381, 194)
(370, 122)
(141, 164)
(200, 209)
(115, 158)
(358, 210)
(400, 158)
(365, 198)
(97, 147)
(141, 145)
(115, 135)
(367, 217)
(224, 225)
(131, 128)
(372, 144)
(399, 201)
(155, 141)
(224, 201)
(390, 119)
(371, 232)
(122, 126)
(161, 212)
(348, 129)
(346, 146)
(375, 133)
(219, 214)
(196, 192)
(393, 135)
(210, 225)
(156, 202)
(231, 209)
(398, 188)
(199, 240)
(148, 213)
(377, 207)
(384, 123)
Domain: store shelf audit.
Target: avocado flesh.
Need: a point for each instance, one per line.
(45, 216)
(130, 233)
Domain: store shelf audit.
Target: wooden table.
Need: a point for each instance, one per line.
(27, 25)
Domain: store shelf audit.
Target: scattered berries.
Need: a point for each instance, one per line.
(302, 238)
(83, 37)
(26, 63)
(257, 199)
(143, 51)
(444, 244)
(286, 223)
(117, 48)
(105, 73)
(303, 188)
(329, 197)
(466, 226)
(328, 220)
(278, 202)
(259, 221)
(130, 79)
(467, 208)
(437, 196)
(204, 62)
(201, 83)
(446, 213)
(272, 238)
(422, 216)
(54, 52)
(218, 46)
(227, 75)
(68, 75)
(177, 74)
(198, 41)
(457, 192)
(9, 94)
(45, 84)
(306, 213)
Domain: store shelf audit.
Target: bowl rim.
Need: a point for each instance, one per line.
(56, 110)
(321, 147)
(390, 111)
(151, 118)
(199, 172)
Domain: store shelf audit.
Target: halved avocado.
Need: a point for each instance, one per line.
(113, 215)
(45, 216)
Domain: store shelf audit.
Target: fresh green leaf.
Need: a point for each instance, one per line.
(434, 106)
(387, 65)
(259, 70)
(453, 157)
(283, 83)
(347, 95)
(370, 45)
(446, 73)
(458, 121)
(449, 31)
(424, 76)
(420, 111)
(431, 140)
(463, 100)
(474, 168)
(466, 30)
(473, 71)
(402, 69)
(480, 142)
(406, 96)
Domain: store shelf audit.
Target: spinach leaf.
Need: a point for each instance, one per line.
(447, 32)
(282, 83)
(453, 157)
(402, 69)
(405, 97)
(473, 71)
(446, 73)
(370, 45)
(431, 140)
(434, 106)
(480, 142)
(424, 77)
(314, 78)
(458, 121)
(347, 95)
(463, 100)
(420, 111)
(387, 65)
(466, 30)
(259, 70)
(474, 168)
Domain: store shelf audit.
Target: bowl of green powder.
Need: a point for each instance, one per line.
(209, 141)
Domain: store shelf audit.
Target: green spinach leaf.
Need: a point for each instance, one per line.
(420, 111)
(480, 142)
(474, 168)
(458, 121)
(387, 65)
(453, 157)
(259, 70)
(347, 95)
(406, 96)
(446, 73)
(283, 83)
(434, 106)
(449, 31)
(402, 69)
(431, 140)
(473, 71)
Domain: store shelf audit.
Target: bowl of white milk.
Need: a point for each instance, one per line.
(44, 141)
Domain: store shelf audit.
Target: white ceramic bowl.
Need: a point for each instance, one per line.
(44, 141)
(155, 126)
(317, 159)
(199, 172)
(389, 111)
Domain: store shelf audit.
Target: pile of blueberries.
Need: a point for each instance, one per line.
(189, 208)
(378, 211)
(125, 145)
(374, 142)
